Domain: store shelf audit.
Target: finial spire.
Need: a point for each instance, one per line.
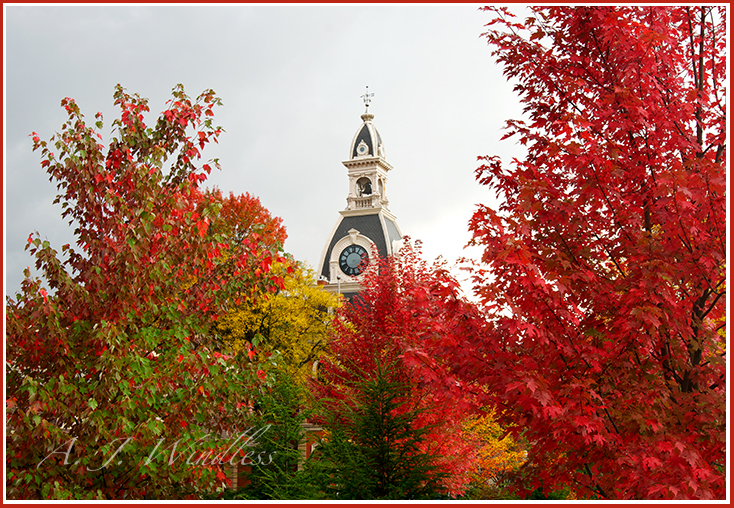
(367, 98)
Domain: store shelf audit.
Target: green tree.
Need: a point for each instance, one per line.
(111, 363)
(279, 415)
(373, 448)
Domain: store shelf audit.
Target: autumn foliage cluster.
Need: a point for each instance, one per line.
(605, 265)
(590, 362)
(114, 354)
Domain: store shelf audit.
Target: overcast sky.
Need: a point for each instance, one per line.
(290, 77)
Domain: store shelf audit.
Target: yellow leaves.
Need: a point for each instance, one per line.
(293, 322)
(499, 452)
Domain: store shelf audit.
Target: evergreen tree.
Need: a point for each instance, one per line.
(280, 415)
(373, 446)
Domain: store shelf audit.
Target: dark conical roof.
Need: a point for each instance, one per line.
(367, 142)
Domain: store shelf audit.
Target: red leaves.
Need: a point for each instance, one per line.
(245, 220)
(410, 312)
(605, 240)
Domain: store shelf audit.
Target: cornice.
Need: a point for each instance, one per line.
(367, 162)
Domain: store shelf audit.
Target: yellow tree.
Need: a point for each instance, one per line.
(498, 455)
(292, 324)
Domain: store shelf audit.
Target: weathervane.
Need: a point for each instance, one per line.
(367, 99)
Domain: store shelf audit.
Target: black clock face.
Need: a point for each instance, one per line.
(353, 260)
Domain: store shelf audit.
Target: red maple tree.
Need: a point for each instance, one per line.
(244, 216)
(110, 352)
(604, 266)
(404, 304)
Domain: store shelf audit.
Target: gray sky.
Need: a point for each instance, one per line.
(290, 77)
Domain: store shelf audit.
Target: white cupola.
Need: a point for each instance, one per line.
(367, 168)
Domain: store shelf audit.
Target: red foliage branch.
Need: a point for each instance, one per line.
(605, 263)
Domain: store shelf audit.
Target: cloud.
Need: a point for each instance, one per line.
(290, 78)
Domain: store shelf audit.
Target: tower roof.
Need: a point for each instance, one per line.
(367, 142)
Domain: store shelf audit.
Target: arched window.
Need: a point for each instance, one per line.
(364, 187)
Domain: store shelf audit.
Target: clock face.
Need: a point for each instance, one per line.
(353, 260)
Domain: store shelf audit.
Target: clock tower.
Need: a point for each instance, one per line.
(366, 228)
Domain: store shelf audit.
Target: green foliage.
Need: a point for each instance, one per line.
(372, 449)
(279, 410)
